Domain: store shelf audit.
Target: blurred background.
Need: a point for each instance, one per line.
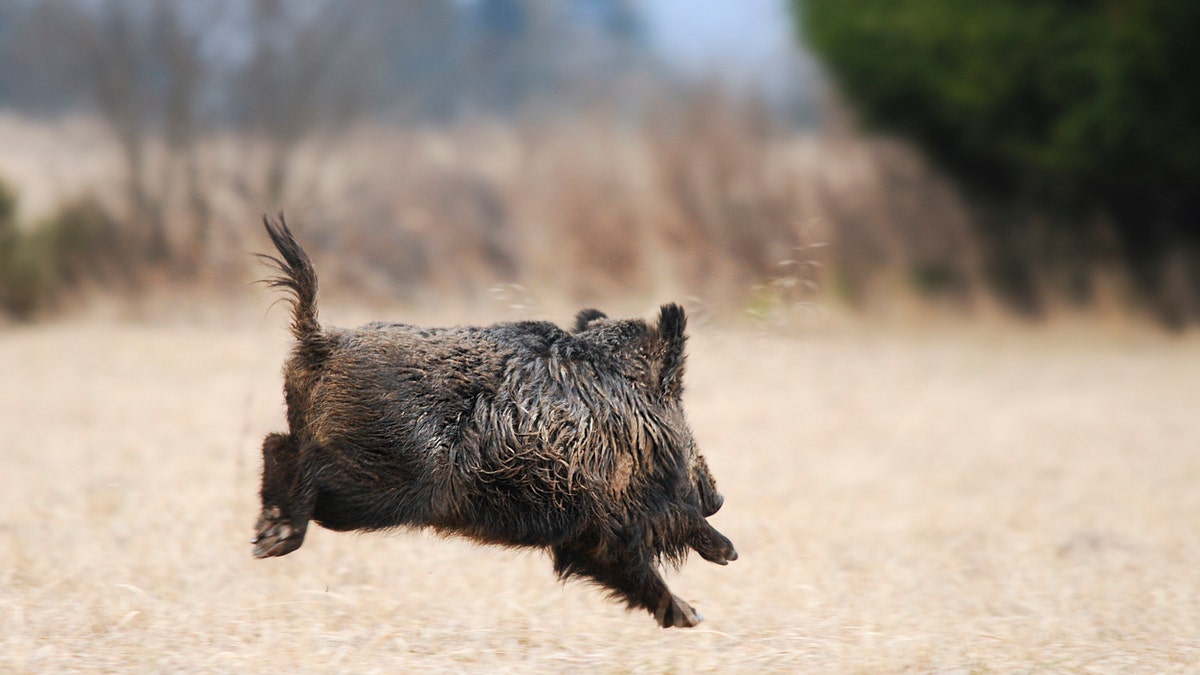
(761, 157)
(933, 254)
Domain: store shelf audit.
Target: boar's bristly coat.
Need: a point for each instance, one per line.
(518, 434)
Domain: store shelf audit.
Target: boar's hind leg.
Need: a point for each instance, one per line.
(635, 582)
(287, 498)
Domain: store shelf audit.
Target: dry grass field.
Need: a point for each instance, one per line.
(1003, 501)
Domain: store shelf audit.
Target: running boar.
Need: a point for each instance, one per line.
(518, 434)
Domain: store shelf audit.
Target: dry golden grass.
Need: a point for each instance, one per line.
(1012, 502)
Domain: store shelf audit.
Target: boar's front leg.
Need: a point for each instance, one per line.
(287, 498)
(633, 580)
(711, 544)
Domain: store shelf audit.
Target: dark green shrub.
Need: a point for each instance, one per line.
(1071, 107)
(8, 210)
(1061, 97)
(80, 242)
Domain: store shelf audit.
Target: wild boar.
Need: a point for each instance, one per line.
(519, 434)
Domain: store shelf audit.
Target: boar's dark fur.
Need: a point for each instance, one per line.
(518, 434)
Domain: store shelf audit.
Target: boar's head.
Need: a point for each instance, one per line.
(654, 356)
(671, 336)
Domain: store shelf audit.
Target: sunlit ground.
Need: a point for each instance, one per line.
(978, 500)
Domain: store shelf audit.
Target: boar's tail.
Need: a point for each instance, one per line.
(299, 278)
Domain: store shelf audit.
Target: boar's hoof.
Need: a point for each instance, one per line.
(721, 554)
(275, 536)
(675, 613)
(715, 547)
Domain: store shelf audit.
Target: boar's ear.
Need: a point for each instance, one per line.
(586, 316)
(672, 327)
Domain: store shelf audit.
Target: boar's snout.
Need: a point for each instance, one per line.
(705, 487)
(712, 503)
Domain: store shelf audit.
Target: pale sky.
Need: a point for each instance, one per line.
(732, 38)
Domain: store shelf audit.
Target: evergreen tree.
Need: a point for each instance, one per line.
(1075, 105)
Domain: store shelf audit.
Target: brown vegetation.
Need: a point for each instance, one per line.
(710, 202)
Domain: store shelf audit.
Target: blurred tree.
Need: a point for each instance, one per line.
(309, 71)
(415, 47)
(519, 52)
(140, 65)
(1074, 106)
(115, 56)
(179, 49)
